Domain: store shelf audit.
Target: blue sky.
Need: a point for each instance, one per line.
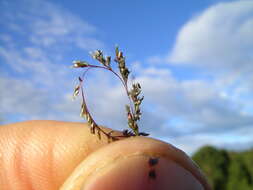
(192, 58)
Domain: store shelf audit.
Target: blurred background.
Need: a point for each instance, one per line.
(193, 59)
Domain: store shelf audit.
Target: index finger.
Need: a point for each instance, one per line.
(42, 154)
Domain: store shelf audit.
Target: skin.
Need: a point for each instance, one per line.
(39, 155)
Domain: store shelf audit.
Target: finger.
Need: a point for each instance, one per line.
(42, 154)
(137, 163)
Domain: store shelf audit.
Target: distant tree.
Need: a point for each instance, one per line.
(214, 163)
(239, 175)
(248, 160)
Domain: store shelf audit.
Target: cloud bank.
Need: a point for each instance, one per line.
(37, 44)
(36, 83)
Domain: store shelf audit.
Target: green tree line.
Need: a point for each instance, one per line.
(226, 170)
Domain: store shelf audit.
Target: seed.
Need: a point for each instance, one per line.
(153, 161)
(152, 174)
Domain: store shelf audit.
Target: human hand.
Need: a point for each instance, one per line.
(48, 155)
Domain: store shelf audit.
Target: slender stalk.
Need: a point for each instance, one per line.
(133, 114)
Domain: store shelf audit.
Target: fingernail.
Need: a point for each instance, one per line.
(138, 172)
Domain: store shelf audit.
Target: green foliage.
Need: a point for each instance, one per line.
(214, 163)
(239, 176)
(226, 170)
(248, 160)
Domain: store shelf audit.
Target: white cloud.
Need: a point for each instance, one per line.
(220, 37)
(194, 101)
(22, 97)
(233, 141)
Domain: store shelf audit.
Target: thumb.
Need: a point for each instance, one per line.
(137, 163)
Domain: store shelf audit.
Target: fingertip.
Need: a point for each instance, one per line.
(135, 173)
(126, 164)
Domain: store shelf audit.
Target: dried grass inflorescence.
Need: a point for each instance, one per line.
(133, 109)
